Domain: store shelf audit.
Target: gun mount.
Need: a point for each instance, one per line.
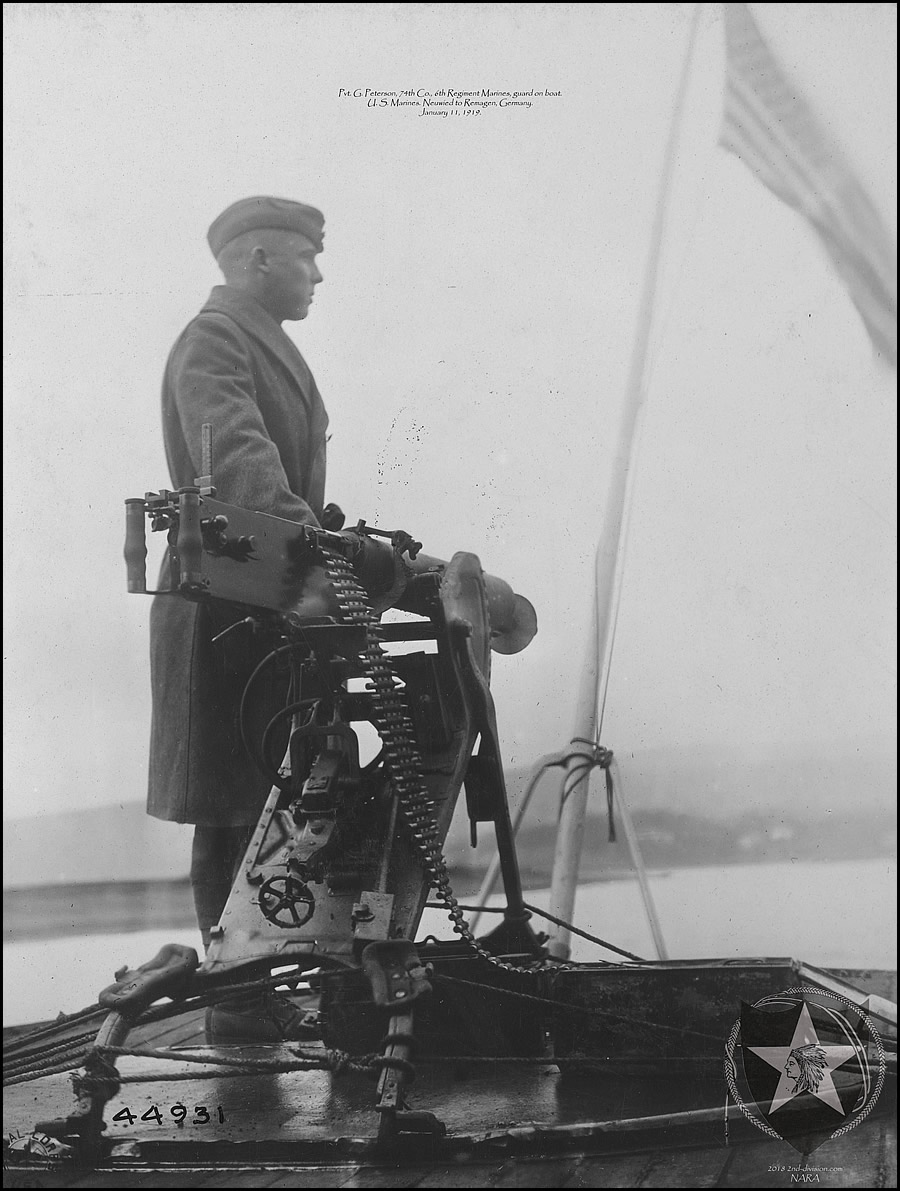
(344, 854)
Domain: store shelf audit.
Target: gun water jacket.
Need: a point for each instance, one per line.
(235, 368)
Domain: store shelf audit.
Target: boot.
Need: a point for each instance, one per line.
(262, 1017)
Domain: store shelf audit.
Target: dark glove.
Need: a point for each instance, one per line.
(333, 518)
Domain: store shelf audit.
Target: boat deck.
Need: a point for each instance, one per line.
(510, 1122)
(508, 1125)
(867, 1161)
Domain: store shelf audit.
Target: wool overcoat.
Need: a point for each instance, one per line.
(234, 368)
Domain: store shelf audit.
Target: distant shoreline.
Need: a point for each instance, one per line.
(34, 913)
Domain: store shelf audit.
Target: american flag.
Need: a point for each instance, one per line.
(772, 129)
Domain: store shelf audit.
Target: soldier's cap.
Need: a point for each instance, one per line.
(263, 211)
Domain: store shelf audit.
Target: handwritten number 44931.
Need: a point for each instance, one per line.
(178, 1112)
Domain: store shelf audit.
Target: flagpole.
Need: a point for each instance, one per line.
(609, 560)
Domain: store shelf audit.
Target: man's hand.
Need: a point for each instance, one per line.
(333, 518)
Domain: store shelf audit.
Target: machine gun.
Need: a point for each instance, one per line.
(327, 867)
(339, 868)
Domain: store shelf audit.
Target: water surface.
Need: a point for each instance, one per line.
(832, 915)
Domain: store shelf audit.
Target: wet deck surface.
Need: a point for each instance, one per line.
(316, 1106)
(509, 1125)
(276, 1129)
(865, 1160)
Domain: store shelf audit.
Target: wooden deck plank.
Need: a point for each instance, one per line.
(44, 1179)
(865, 1157)
(308, 1177)
(185, 1177)
(765, 1165)
(166, 1033)
(101, 1179)
(868, 1154)
(387, 1176)
(165, 1178)
(313, 1176)
(176, 1031)
(621, 1171)
(686, 1168)
(549, 1172)
(462, 1174)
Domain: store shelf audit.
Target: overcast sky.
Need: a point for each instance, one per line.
(471, 341)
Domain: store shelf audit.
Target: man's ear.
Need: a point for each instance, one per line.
(260, 259)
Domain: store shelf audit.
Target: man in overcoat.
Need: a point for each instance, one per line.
(235, 368)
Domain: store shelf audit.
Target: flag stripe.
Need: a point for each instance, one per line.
(758, 92)
(775, 133)
(785, 173)
(825, 196)
(846, 241)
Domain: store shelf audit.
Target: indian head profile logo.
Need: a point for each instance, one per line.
(807, 1066)
(812, 1062)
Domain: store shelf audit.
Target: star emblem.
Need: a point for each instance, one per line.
(826, 1056)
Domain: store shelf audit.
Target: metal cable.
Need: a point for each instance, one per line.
(584, 934)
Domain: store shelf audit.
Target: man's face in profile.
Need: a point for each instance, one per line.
(292, 276)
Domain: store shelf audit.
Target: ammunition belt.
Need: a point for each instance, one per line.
(403, 760)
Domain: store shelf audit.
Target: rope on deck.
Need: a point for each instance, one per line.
(54, 1027)
(336, 1061)
(23, 1061)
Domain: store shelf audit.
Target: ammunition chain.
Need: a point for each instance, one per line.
(402, 757)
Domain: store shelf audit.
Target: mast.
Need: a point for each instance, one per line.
(609, 565)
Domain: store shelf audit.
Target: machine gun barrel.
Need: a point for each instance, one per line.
(512, 618)
(225, 552)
